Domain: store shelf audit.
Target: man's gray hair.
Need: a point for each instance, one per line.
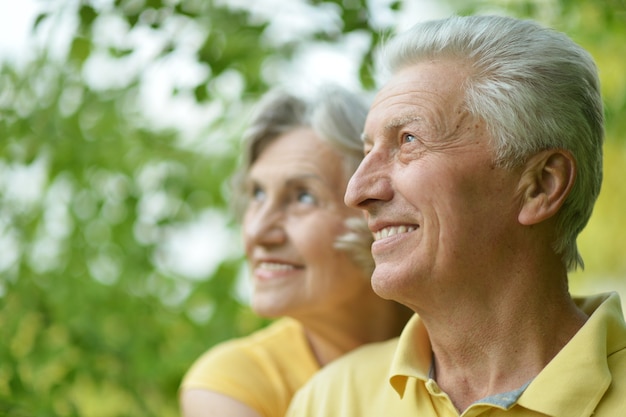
(534, 87)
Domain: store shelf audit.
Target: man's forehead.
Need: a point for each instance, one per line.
(443, 76)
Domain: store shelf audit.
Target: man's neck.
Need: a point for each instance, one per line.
(498, 347)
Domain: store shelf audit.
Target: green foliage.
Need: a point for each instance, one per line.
(85, 312)
(93, 320)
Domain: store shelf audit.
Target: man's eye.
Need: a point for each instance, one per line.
(305, 197)
(407, 138)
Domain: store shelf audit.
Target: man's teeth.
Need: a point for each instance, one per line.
(271, 266)
(393, 230)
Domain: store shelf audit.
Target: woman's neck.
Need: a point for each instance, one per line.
(340, 331)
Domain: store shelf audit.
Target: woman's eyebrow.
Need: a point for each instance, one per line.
(304, 177)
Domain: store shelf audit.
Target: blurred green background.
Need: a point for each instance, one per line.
(119, 125)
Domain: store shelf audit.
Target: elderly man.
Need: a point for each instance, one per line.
(483, 160)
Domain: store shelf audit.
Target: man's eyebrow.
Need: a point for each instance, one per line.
(393, 124)
(401, 120)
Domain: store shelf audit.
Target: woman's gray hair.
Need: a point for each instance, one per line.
(337, 116)
(534, 87)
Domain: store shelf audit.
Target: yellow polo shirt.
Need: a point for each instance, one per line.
(262, 370)
(587, 377)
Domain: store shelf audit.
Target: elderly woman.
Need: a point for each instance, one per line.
(309, 257)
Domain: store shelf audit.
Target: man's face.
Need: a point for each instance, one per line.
(438, 206)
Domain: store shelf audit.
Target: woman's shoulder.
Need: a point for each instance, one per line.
(275, 335)
(269, 365)
(282, 336)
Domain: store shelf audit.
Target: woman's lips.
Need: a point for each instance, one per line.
(267, 270)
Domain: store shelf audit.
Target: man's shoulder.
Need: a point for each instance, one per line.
(372, 357)
(348, 385)
(617, 366)
(614, 400)
(368, 363)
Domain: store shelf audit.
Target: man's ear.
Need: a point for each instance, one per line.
(546, 182)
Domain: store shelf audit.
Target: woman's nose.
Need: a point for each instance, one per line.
(370, 182)
(264, 226)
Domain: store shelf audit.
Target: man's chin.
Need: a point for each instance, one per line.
(386, 285)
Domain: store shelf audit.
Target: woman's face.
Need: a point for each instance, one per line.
(295, 213)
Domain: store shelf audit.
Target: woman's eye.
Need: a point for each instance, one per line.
(257, 194)
(305, 197)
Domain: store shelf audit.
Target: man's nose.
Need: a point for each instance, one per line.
(370, 182)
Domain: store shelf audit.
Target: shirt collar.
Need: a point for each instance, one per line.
(579, 375)
(582, 362)
(413, 356)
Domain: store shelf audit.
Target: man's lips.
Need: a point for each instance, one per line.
(389, 231)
